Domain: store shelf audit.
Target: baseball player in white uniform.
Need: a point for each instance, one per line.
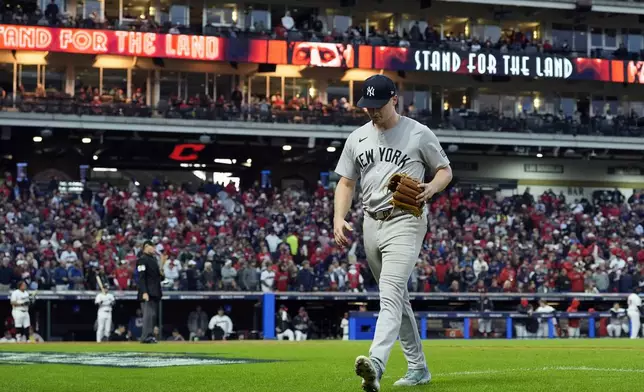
(389, 144)
(105, 300)
(633, 311)
(20, 301)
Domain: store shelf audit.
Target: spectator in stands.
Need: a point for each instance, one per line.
(6, 274)
(267, 277)
(228, 276)
(197, 319)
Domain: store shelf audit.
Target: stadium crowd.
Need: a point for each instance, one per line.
(216, 237)
(338, 111)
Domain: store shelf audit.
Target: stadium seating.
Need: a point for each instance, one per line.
(216, 238)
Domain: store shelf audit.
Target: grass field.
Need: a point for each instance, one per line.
(594, 365)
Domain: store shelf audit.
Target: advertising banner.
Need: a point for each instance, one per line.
(316, 54)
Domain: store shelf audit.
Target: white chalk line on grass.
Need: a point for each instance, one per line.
(541, 369)
(535, 369)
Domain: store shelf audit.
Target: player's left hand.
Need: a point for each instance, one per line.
(428, 192)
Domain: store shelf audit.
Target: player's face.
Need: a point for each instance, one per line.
(382, 115)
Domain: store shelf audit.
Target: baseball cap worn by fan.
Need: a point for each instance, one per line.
(376, 92)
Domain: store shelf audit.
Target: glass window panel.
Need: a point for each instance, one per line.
(87, 79)
(224, 84)
(296, 88)
(508, 106)
(259, 19)
(114, 80)
(219, 16)
(633, 41)
(28, 78)
(610, 38)
(488, 103)
(55, 78)
(92, 6)
(337, 90)
(568, 106)
(580, 37)
(6, 78)
(275, 87)
(611, 104)
(258, 86)
(139, 84)
(596, 37)
(341, 22)
(168, 84)
(196, 84)
(561, 34)
(179, 15)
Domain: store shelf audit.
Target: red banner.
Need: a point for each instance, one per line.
(125, 43)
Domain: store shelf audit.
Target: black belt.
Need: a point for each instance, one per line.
(384, 214)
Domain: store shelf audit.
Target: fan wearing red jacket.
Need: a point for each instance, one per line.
(573, 323)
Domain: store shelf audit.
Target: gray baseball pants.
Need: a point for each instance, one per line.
(392, 247)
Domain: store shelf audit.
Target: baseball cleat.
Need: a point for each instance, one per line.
(366, 369)
(414, 377)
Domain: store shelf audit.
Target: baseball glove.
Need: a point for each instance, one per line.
(405, 190)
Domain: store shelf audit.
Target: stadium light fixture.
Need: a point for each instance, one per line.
(539, 155)
(37, 139)
(95, 157)
(105, 169)
(330, 149)
(286, 147)
(86, 140)
(249, 160)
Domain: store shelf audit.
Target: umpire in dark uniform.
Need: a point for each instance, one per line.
(149, 290)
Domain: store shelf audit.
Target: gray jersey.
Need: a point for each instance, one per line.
(374, 156)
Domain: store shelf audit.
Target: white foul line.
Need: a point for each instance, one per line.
(545, 368)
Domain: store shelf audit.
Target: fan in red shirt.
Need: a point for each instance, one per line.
(281, 279)
(122, 276)
(576, 280)
(573, 323)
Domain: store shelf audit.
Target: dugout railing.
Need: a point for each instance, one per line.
(254, 312)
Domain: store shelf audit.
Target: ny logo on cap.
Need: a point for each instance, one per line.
(371, 91)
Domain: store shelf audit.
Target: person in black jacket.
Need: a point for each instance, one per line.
(520, 324)
(149, 290)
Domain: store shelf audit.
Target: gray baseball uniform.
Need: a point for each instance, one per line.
(392, 245)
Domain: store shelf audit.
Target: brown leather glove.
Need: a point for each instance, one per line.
(405, 190)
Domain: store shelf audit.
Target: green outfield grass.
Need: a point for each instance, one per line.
(593, 365)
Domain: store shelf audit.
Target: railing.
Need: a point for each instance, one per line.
(255, 311)
(325, 115)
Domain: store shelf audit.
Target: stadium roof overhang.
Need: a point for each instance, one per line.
(204, 127)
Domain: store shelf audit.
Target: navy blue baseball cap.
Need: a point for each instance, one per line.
(376, 92)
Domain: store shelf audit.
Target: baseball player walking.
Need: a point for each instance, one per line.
(20, 301)
(389, 154)
(105, 300)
